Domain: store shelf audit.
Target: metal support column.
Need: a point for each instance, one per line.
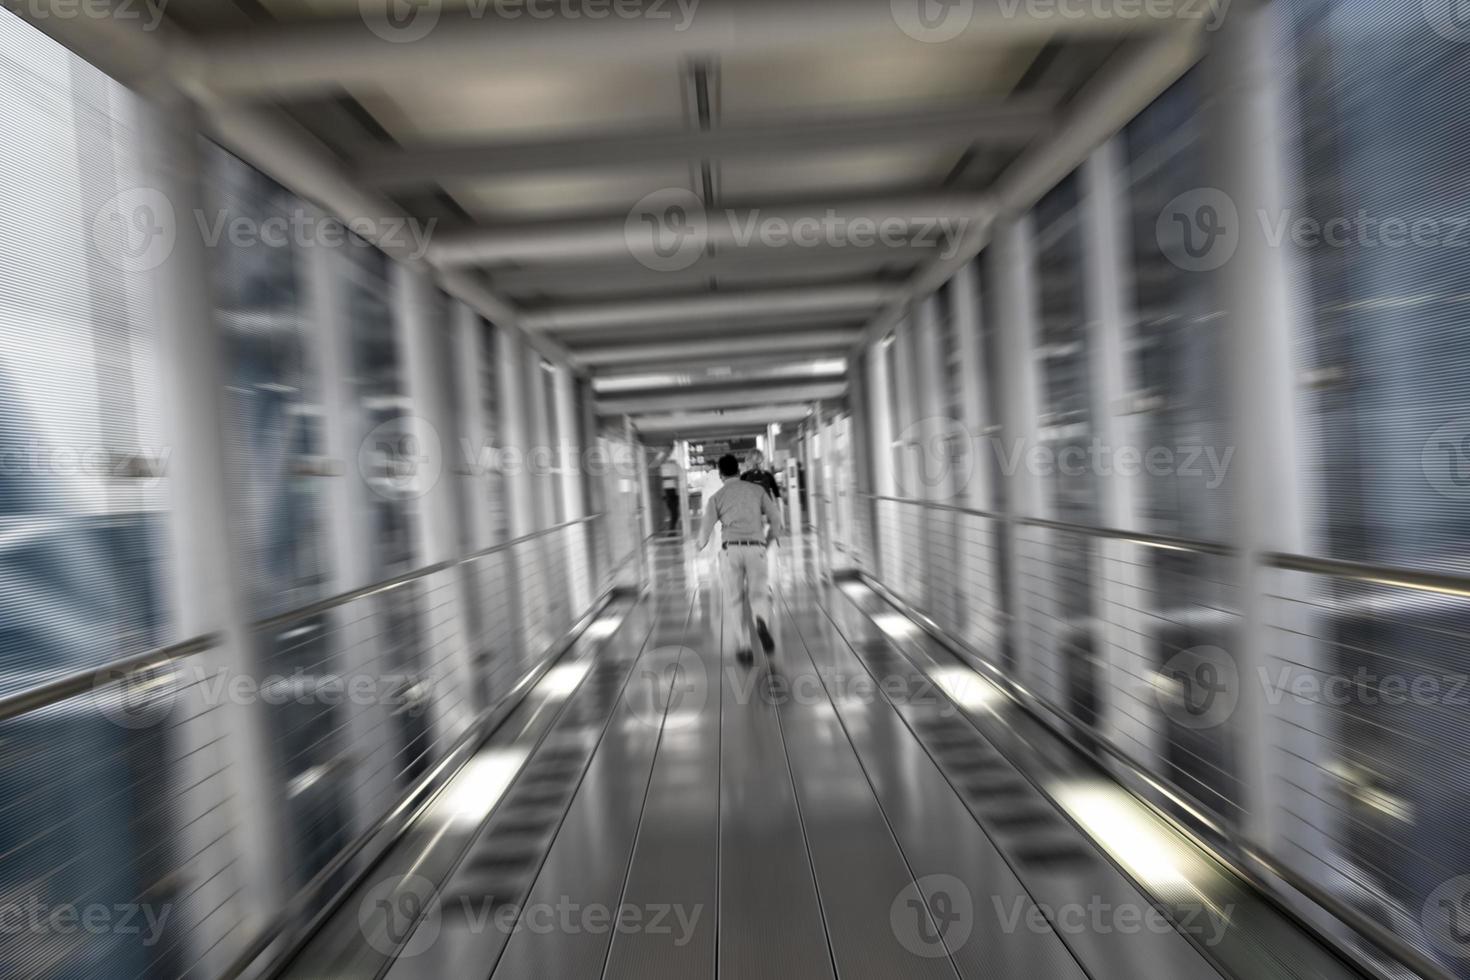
(515, 445)
(861, 373)
(418, 312)
(908, 522)
(1013, 271)
(885, 481)
(1243, 127)
(932, 449)
(1118, 596)
(979, 537)
(328, 274)
(209, 596)
(573, 493)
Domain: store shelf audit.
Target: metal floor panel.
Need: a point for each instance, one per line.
(878, 925)
(771, 922)
(1253, 939)
(568, 920)
(465, 930)
(360, 940)
(675, 871)
(990, 926)
(839, 810)
(1088, 900)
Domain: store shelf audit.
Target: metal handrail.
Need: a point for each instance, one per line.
(935, 505)
(1443, 583)
(1238, 855)
(387, 585)
(1147, 539)
(1368, 573)
(390, 827)
(1246, 862)
(81, 682)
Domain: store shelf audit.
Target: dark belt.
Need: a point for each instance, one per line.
(745, 544)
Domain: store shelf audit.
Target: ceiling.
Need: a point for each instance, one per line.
(535, 143)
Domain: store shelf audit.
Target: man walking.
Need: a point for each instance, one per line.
(669, 474)
(757, 473)
(742, 509)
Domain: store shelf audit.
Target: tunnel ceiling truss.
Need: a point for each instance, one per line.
(696, 192)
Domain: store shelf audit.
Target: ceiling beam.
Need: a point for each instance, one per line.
(766, 364)
(692, 399)
(818, 344)
(1135, 76)
(755, 419)
(434, 47)
(733, 306)
(753, 327)
(862, 223)
(624, 272)
(1013, 122)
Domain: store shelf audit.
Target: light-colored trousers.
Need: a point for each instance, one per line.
(744, 578)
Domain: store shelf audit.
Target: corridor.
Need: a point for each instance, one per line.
(860, 804)
(1085, 376)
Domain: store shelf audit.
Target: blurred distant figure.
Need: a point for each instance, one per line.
(756, 472)
(750, 521)
(669, 474)
(711, 482)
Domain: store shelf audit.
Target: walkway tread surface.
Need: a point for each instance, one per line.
(831, 811)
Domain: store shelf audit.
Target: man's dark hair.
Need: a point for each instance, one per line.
(729, 466)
